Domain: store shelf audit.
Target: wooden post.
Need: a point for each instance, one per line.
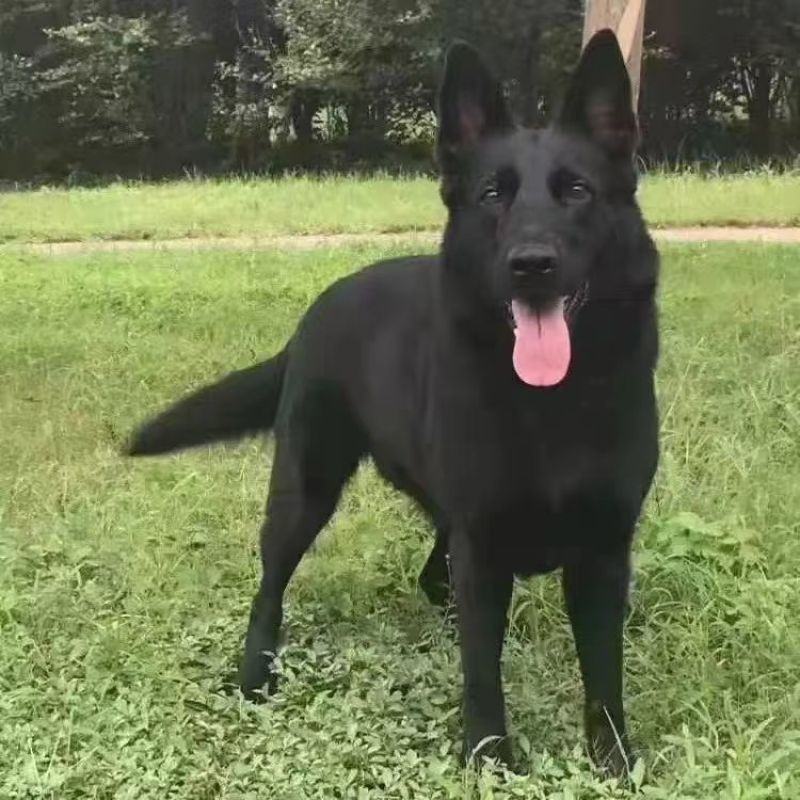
(626, 17)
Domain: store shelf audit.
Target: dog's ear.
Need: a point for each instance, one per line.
(471, 102)
(599, 101)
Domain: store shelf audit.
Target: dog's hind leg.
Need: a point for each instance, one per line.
(312, 465)
(434, 580)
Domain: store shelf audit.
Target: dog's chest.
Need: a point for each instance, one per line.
(542, 465)
(541, 494)
(517, 455)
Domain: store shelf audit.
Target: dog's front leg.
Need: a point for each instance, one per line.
(483, 592)
(595, 589)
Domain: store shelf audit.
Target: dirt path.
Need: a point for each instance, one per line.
(423, 238)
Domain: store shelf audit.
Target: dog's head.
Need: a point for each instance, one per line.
(535, 215)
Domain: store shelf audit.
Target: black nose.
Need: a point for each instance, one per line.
(533, 259)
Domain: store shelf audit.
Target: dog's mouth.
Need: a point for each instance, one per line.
(542, 348)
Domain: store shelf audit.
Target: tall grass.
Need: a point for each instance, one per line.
(253, 208)
(124, 587)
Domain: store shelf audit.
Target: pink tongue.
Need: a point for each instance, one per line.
(542, 351)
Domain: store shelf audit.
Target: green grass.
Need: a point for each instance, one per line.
(124, 587)
(690, 199)
(221, 208)
(343, 205)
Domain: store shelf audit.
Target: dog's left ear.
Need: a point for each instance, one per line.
(471, 102)
(599, 100)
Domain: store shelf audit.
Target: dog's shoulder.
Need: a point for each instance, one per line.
(402, 279)
(374, 314)
(376, 293)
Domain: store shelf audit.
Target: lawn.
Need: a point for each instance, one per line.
(124, 586)
(343, 205)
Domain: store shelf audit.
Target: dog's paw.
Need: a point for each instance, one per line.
(490, 748)
(257, 678)
(611, 753)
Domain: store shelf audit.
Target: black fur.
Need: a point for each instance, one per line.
(242, 403)
(409, 362)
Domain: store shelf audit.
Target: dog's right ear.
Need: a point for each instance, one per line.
(471, 102)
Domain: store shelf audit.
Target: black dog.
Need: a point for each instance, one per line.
(506, 385)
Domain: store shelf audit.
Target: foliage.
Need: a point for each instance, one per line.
(344, 46)
(361, 79)
(18, 88)
(245, 100)
(735, 90)
(531, 42)
(137, 87)
(106, 68)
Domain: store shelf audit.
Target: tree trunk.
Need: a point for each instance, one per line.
(626, 17)
(357, 117)
(760, 108)
(302, 110)
(794, 107)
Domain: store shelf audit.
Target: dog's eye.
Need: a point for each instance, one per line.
(491, 194)
(576, 192)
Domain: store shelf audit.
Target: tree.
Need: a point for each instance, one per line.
(371, 56)
(531, 44)
(722, 92)
(244, 89)
(105, 75)
(154, 87)
(766, 38)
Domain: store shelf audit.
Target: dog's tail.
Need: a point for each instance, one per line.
(242, 403)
